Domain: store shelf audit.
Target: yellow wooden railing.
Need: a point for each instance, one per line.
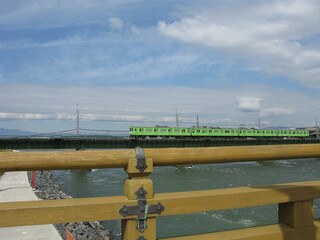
(140, 207)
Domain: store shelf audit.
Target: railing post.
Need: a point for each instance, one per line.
(296, 214)
(132, 189)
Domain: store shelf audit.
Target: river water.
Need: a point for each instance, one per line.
(109, 182)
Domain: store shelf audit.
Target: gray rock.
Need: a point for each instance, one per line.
(46, 189)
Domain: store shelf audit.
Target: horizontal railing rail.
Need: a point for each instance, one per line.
(59, 160)
(107, 208)
(139, 207)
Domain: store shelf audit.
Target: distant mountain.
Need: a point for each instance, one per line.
(14, 132)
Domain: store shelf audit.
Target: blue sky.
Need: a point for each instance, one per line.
(138, 62)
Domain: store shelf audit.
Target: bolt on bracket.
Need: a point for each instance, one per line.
(141, 210)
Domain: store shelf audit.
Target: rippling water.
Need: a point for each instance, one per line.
(109, 182)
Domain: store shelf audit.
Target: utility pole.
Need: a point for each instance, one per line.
(177, 119)
(197, 120)
(259, 123)
(78, 121)
(317, 128)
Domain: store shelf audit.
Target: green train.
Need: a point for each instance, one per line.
(206, 132)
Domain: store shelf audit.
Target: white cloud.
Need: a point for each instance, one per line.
(249, 104)
(28, 43)
(51, 13)
(275, 35)
(155, 105)
(135, 30)
(23, 116)
(73, 66)
(276, 112)
(115, 23)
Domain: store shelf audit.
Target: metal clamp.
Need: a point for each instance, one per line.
(141, 160)
(141, 210)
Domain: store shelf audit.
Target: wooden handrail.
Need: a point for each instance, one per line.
(59, 160)
(107, 208)
(269, 232)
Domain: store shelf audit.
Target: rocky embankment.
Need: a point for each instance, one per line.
(46, 189)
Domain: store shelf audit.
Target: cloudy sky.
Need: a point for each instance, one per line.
(137, 62)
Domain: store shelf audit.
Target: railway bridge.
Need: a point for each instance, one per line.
(125, 142)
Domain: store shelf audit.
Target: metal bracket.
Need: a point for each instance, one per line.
(142, 238)
(141, 210)
(141, 160)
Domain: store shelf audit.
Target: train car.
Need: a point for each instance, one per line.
(214, 132)
(154, 132)
(198, 132)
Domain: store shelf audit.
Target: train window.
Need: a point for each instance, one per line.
(221, 131)
(149, 130)
(249, 131)
(155, 130)
(169, 130)
(210, 131)
(163, 130)
(131, 129)
(135, 129)
(141, 129)
(231, 131)
(193, 130)
(258, 131)
(271, 131)
(216, 131)
(227, 131)
(177, 130)
(188, 130)
(198, 131)
(267, 131)
(204, 131)
(183, 130)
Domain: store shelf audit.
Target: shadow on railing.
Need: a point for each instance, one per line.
(139, 207)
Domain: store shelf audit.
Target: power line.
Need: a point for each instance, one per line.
(46, 134)
(97, 130)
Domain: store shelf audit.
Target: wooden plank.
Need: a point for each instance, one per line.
(59, 160)
(296, 214)
(180, 156)
(62, 211)
(161, 157)
(274, 232)
(107, 208)
(221, 199)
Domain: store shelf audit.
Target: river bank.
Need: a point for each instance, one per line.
(46, 189)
